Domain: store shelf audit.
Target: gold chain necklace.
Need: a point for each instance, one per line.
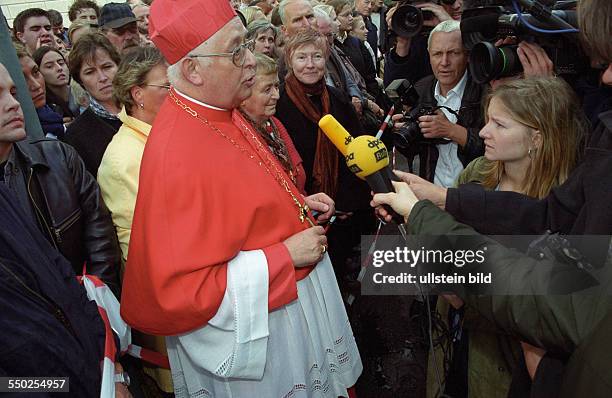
(278, 175)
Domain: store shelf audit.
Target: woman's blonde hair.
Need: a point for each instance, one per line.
(549, 105)
(132, 71)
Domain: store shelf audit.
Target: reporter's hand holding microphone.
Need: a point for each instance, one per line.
(407, 193)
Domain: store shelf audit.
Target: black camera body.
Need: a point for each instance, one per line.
(410, 135)
(403, 93)
(481, 27)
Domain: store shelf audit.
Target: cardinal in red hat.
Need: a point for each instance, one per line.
(225, 257)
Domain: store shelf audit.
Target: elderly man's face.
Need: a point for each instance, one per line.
(299, 15)
(224, 84)
(124, 37)
(12, 124)
(363, 7)
(142, 14)
(448, 58)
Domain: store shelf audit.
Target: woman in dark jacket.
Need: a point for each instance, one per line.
(93, 63)
(354, 48)
(304, 99)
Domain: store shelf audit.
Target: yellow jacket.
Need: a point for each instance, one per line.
(118, 178)
(118, 175)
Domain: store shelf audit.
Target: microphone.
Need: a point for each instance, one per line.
(366, 157)
(336, 133)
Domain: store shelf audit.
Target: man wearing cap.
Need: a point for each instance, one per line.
(224, 258)
(119, 24)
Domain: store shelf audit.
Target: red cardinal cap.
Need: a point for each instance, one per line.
(178, 26)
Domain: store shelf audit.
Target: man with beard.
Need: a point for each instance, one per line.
(119, 24)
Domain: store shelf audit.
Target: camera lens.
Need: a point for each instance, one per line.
(488, 62)
(407, 21)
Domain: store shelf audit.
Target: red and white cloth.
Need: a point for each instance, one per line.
(108, 307)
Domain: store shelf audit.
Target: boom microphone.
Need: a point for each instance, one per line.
(366, 157)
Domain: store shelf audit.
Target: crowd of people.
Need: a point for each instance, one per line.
(183, 165)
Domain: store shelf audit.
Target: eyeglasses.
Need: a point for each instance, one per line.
(166, 86)
(238, 54)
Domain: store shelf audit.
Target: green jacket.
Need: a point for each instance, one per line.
(473, 172)
(492, 354)
(576, 326)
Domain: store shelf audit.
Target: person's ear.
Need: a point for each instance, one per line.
(19, 36)
(536, 139)
(137, 94)
(190, 68)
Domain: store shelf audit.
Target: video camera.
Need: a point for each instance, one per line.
(553, 28)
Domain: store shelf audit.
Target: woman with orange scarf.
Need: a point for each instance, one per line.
(304, 99)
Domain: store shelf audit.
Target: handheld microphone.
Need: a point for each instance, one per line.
(336, 133)
(366, 157)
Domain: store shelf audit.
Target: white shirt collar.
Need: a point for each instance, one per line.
(457, 90)
(199, 102)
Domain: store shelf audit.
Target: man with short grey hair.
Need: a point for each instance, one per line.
(450, 136)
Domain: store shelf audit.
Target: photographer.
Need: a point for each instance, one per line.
(408, 58)
(454, 127)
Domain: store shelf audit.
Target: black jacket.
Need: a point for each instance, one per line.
(414, 67)
(470, 116)
(69, 208)
(361, 59)
(49, 327)
(90, 134)
(574, 327)
(582, 205)
(372, 35)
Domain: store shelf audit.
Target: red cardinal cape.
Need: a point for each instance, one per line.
(201, 201)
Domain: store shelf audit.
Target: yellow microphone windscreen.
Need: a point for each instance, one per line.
(335, 132)
(366, 155)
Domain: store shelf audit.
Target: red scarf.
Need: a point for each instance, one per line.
(325, 167)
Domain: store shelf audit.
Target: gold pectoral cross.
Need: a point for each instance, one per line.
(303, 213)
